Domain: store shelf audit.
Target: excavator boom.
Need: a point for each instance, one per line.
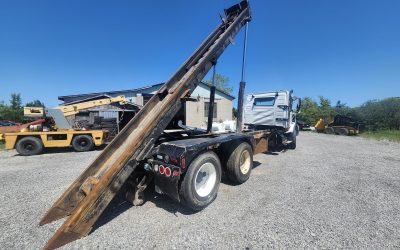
(92, 191)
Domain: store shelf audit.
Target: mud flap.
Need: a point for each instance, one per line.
(168, 186)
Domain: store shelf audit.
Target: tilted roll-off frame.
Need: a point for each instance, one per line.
(89, 195)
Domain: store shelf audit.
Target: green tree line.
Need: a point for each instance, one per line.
(375, 114)
(14, 111)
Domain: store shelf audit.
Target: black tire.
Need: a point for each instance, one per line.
(29, 146)
(292, 138)
(343, 131)
(240, 163)
(81, 143)
(197, 200)
(330, 131)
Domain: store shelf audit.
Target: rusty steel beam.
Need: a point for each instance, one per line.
(92, 191)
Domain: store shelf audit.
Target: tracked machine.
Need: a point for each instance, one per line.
(186, 165)
(341, 125)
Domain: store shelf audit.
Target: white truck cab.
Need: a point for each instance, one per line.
(273, 110)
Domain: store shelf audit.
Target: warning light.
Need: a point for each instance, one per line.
(167, 171)
(161, 169)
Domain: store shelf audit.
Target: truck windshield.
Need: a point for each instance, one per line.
(264, 101)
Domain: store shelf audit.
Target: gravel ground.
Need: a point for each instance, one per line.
(331, 192)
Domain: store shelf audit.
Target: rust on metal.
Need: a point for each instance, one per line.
(88, 185)
(261, 145)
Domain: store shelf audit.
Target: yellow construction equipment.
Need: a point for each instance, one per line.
(57, 131)
(33, 143)
(320, 125)
(72, 109)
(341, 125)
(34, 111)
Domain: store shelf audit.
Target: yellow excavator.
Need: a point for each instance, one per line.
(57, 129)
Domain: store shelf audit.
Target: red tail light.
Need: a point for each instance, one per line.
(183, 163)
(167, 171)
(174, 160)
(175, 173)
(161, 169)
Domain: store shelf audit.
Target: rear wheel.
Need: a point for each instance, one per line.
(240, 163)
(82, 143)
(330, 130)
(29, 146)
(200, 186)
(343, 131)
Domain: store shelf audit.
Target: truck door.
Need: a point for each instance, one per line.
(260, 110)
(282, 110)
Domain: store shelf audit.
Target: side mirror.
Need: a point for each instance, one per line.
(298, 108)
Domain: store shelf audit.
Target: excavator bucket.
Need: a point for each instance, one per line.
(89, 195)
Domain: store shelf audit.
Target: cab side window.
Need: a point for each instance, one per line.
(264, 101)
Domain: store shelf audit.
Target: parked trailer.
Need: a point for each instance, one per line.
(186, 165)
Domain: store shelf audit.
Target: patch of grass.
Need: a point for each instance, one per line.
(2, 145)
(391, 135)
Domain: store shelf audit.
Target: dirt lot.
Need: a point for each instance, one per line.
(331, 192)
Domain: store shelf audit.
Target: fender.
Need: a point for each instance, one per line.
(292, 128)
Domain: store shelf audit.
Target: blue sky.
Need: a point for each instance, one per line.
(346, 50)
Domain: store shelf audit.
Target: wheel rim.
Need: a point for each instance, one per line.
(29, 146)
(245, 162)
(206, 178)
(83, 143)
